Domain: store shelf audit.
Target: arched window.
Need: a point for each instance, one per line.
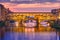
(12, 21)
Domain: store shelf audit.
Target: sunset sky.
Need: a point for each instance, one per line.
(31, 7)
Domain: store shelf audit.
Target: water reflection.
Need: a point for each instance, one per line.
(30, 36)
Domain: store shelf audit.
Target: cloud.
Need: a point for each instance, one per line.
(47, 6)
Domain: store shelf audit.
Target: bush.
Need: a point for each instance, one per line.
(2, 23)
(55, 24)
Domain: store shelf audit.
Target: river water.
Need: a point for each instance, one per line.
(30, 36)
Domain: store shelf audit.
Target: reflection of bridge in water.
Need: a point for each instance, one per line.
(30, 36)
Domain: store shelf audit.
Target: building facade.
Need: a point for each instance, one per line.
(3, 12)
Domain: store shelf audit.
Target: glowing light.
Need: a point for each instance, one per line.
(59, 17)
(29, 30)
(16, 23)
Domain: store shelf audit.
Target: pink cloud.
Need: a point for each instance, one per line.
(31, 7)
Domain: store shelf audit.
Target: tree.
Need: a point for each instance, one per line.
(2, 23)
(55, 24)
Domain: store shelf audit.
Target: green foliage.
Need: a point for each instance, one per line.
(2, 23)
(55, 24)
